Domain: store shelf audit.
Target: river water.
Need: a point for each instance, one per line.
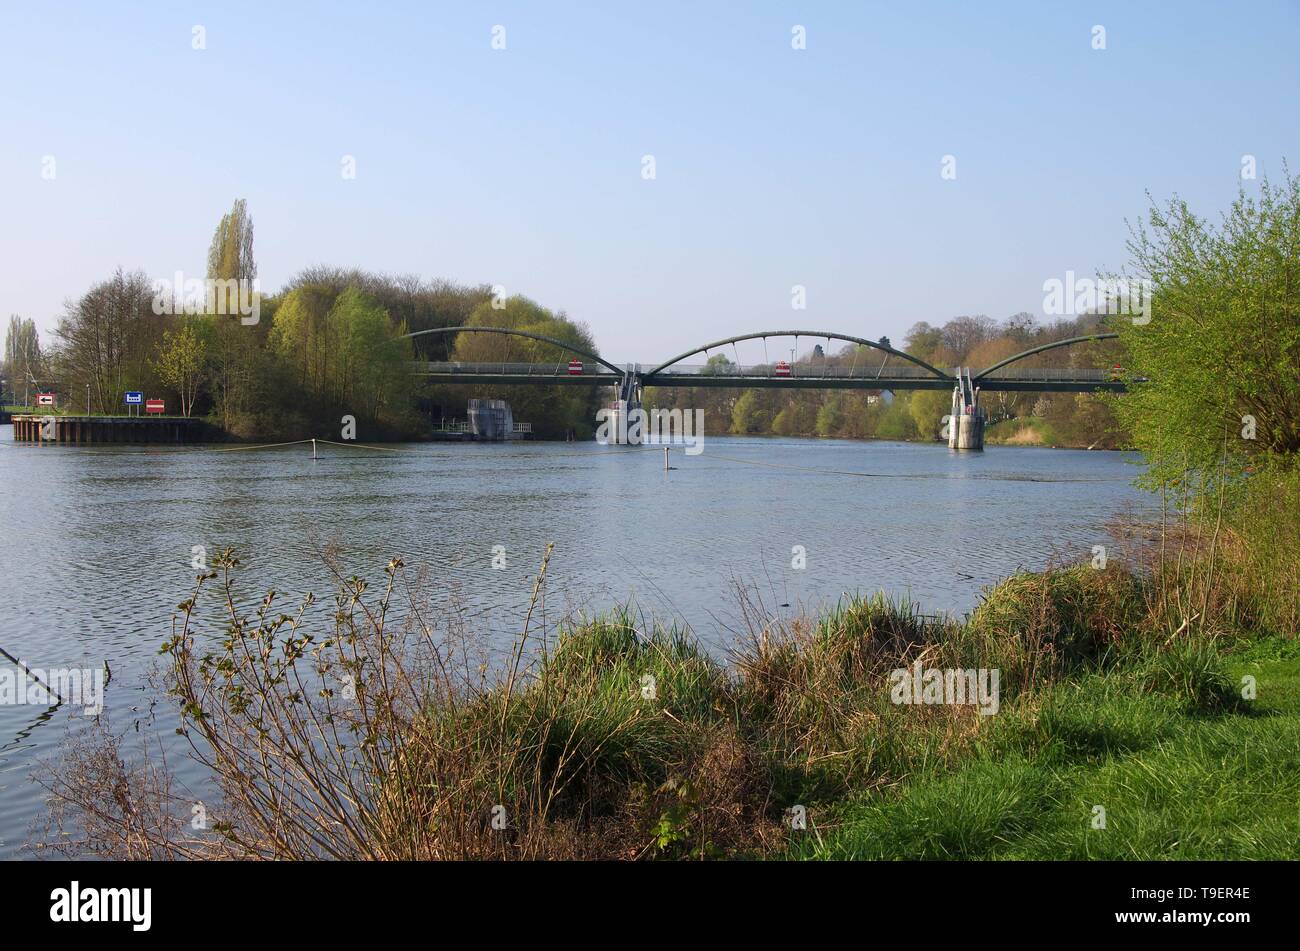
(97, 543)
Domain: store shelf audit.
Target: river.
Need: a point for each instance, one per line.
(98, 542)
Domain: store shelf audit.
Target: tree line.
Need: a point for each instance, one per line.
(1221, 352)
(331, 343)
(968, 341)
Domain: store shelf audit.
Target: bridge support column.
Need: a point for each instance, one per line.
(954, 420)
(970, 432)
(966, 428)
(627, 402)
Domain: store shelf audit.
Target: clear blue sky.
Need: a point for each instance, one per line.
(522, 167)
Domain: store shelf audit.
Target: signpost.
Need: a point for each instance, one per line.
(154, 406)
(44, 399)
(135, 398)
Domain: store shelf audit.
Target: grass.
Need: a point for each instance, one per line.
(1164, 699)
(1175, 780)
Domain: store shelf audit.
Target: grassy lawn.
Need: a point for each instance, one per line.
(1176, 780)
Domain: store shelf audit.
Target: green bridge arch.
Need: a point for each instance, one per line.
(1047, 346)
(937, 373)
(521, 333)
(647, 378)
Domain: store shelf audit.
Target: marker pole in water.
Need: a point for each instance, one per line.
(665, 458)
(313, 449)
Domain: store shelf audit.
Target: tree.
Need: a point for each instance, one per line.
(1021, 327)
(300, 333)
(420, 304)
(345, 350)
(552, 410)
(797, 419)
(963, 334)
(1221, 346)
(181, 362)
(750, 415)
(372, 371)
(717, 365)
(922, 340)
(234, 350)
(22, 354)
(230, 256)
(928, 407)
(830, 416)
(895, 420)
(235, 371)
(107, 337)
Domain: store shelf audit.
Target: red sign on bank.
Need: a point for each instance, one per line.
(154, 406)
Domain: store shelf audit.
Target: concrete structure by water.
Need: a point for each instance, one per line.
(966, 425)
(493, 421)
(46, 427)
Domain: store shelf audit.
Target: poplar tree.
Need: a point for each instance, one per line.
(22, 352)
(232, 349)
(230, 255)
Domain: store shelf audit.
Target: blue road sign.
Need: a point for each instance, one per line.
(134, 397)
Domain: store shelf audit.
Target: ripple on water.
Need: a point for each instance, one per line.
(96, 544)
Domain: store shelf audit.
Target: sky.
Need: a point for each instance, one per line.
(122, 144)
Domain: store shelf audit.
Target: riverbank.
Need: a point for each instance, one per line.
(1106, 768)
(1035, 431)
(1022, 431)
(1102, 710)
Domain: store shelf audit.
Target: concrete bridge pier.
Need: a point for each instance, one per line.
(966, 427)
(627, 402)
(970, 433)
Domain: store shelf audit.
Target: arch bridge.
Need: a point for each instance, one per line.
(885, 369)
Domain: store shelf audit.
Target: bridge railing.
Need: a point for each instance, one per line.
(737, 370)
(805, 371)
(893, 371)
(1050, 374)
(511, 369)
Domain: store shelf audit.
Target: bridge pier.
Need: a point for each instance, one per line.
(627, 402)
(966, 426)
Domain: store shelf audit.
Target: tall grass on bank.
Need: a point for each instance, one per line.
(1036, 627)
(379, 738)
(1230, 562)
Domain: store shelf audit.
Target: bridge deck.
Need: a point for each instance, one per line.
(1032, 379)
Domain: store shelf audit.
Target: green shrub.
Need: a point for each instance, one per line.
(1035, 627)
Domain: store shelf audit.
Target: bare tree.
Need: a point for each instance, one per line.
(107, 336)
